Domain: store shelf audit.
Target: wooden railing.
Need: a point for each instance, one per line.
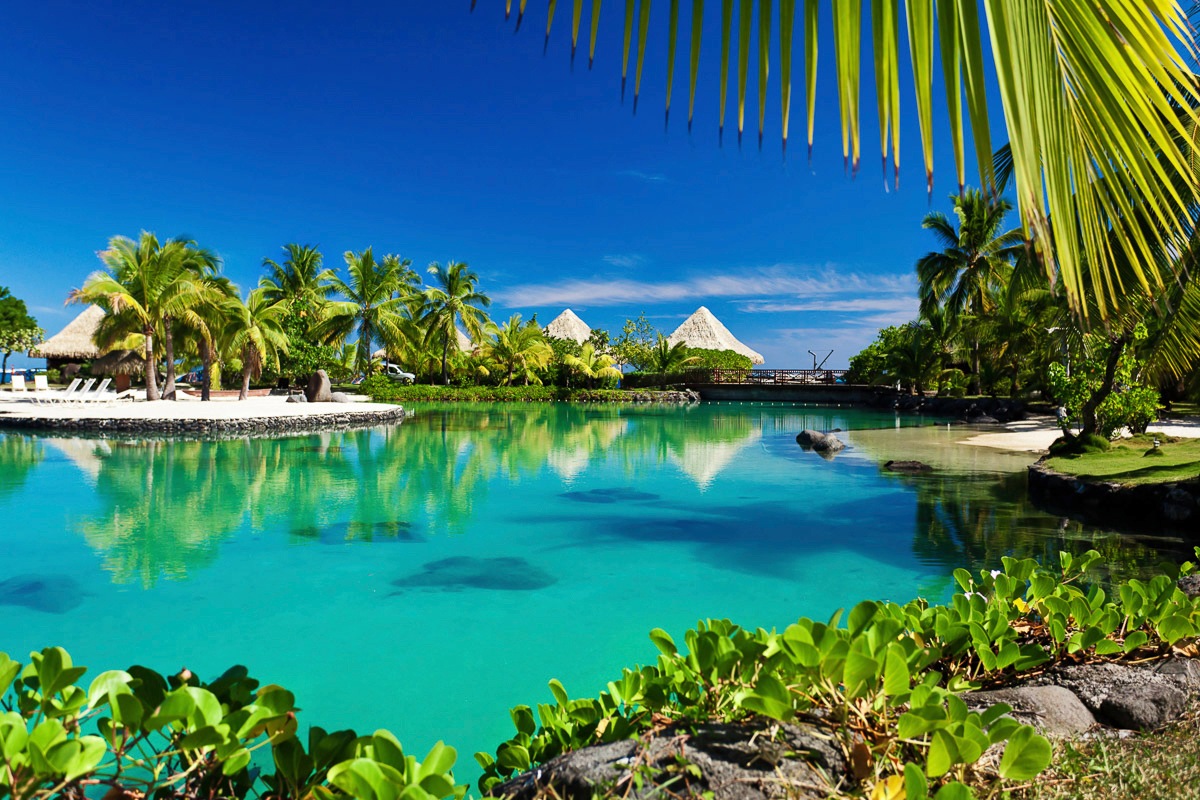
(768, 377)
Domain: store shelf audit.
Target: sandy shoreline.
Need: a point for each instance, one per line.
(1035, 435)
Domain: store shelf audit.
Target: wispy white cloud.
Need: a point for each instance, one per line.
(899, 303)
(647, 177)
(781, 285)
(625, 261)
(54, 311)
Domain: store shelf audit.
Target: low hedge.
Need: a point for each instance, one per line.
(383, 390)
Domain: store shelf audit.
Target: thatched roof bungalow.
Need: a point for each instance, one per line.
(704, 331)
(74, 343)
(568, 325)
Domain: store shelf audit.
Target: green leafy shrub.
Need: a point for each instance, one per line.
(383, 390)
(135, 733)
(718, 359)
(890, 675)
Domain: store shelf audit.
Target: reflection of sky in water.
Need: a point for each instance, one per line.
(426, 577)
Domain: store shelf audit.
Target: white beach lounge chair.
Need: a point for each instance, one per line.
(40, 384)
(18, 386)
(55, 396)
(81, 392)
(98, 395)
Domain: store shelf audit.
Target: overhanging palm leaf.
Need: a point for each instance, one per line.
(1090, 89)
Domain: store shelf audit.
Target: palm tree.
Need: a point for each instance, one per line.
(146, 286)
(299, 277)
(1088, 92)
(517, 350)
(592, 365)
(666, 358)
(454, 297)
(206, 322)
(376, 294)
(975, 263)
(255, 332)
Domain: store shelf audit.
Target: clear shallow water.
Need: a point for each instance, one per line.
(428, 576)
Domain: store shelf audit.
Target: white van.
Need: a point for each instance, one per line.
(394, 372)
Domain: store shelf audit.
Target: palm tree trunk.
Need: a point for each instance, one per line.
(151, 366)
(975, 367)
(4, 368)
(169, 351)
(1088, 412)
(206, 361)
(445, 352)
(245, 392)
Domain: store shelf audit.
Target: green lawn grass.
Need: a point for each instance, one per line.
(1136, 460)
(1164, 765)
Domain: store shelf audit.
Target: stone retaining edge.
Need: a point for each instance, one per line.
(1175, 506)
(308, 423)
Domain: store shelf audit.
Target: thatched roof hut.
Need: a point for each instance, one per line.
(568, 325)
(704, 331)
(74, 343)
(119, 362)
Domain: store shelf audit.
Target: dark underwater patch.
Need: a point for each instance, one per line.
(390, 531)
(53, 594)
(622, 494)
(459, 572)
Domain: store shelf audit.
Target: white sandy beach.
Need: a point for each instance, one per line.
(1035, 435)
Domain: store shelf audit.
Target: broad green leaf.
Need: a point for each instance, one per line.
(1026, 754)
(943, 754)
(663, 641)
(107, 683)
(694, 56)
(916, 786)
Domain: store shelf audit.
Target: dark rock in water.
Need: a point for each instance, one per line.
(351, 532)
(319, 390)
(54, 594)
(824, 444)
(459, 572)
(739, 762)
(1190, 585)
(907, 466)
(984, 419)
(618, 495)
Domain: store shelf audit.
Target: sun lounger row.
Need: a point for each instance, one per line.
(75, 393)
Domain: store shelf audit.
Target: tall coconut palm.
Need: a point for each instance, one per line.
(299, 277)
(591, 365)
(376, 296)
(517, 350)
(1087, 89)
(454, 297)
(975, 264)
(146, 286)
(255, 333)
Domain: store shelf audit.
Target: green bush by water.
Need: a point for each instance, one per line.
(887, 681)
(383, 390)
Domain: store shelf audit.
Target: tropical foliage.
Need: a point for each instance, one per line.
(890, 675)
(18, 330)
(139, 733)
(1112, 167)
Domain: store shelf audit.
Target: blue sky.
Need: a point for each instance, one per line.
(428, 131)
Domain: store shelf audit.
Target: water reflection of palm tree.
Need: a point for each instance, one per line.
(20, 455)
(978, 519)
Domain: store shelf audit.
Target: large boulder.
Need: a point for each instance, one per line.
(1129, 697)
(907, 466)
(340, 397)
(319, 389)
(1054, 710)
(825, 444)
(733, 762)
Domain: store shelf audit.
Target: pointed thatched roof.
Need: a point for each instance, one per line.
(704, 331)
(568, 325)
(464, 341)
(75, 341)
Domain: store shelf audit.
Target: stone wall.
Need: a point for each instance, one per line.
(1157, 507)
(304, 423)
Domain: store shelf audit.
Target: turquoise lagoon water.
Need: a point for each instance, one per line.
(425, 577)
